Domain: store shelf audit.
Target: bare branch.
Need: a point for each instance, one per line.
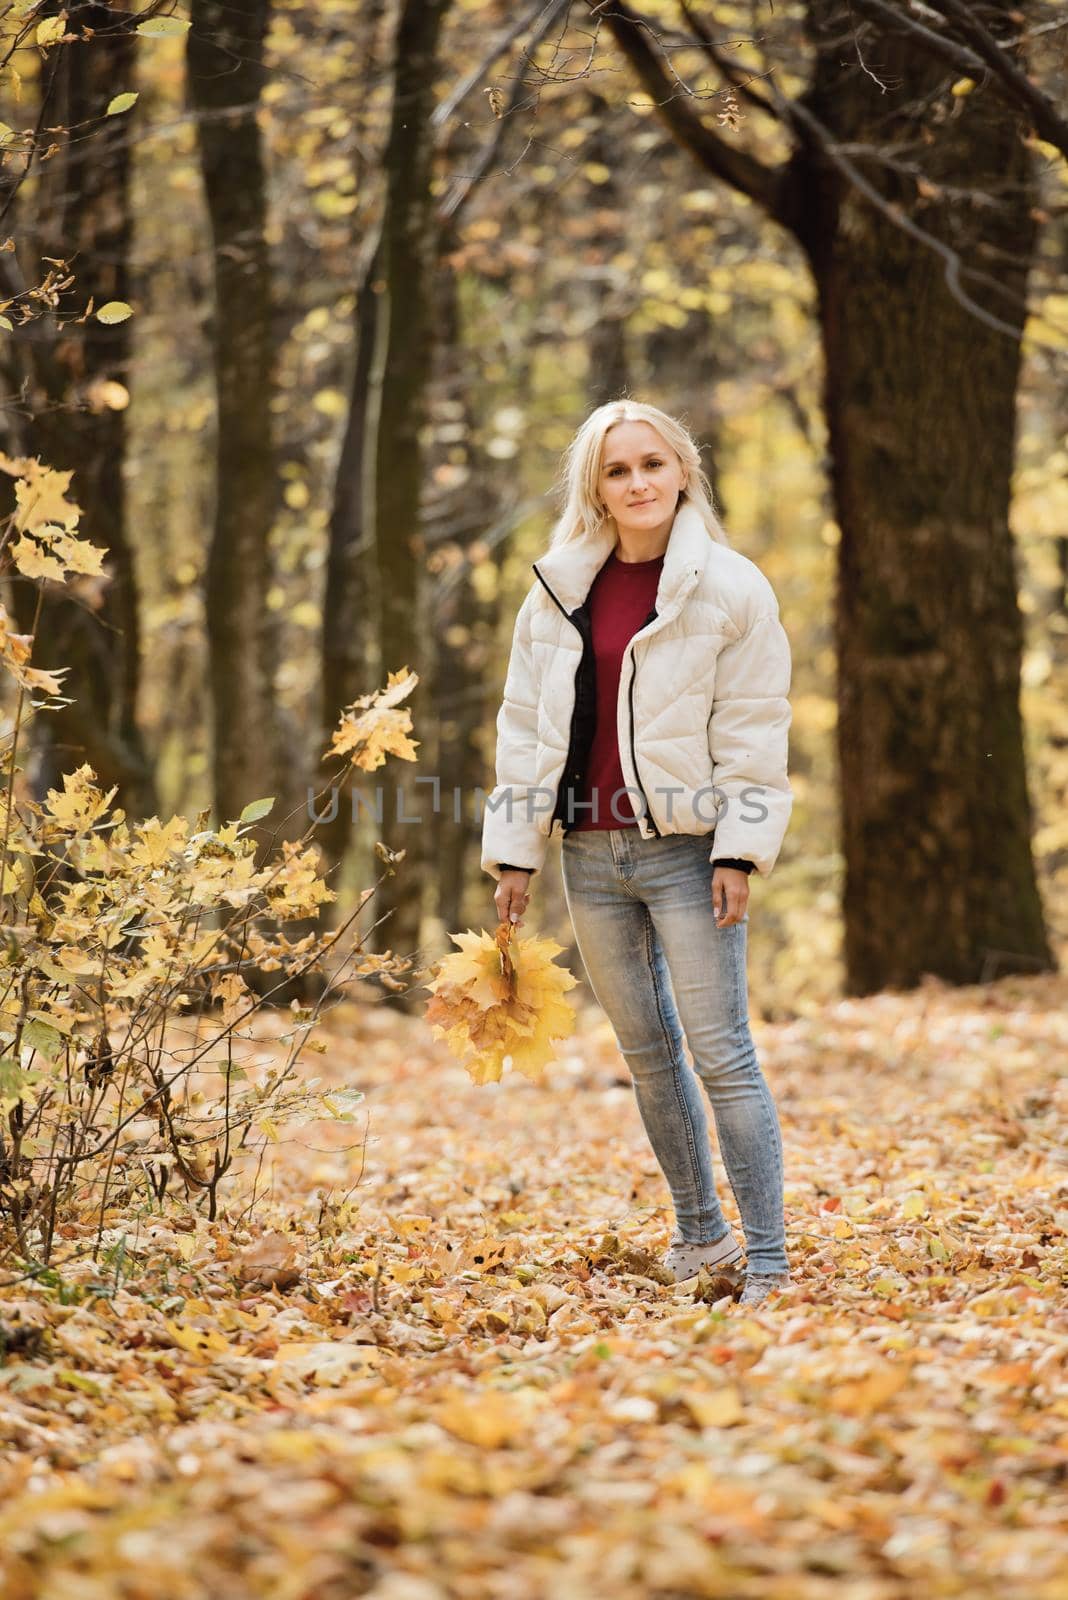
(736, 76)
(986, 58)
(955, 268)
(736, 167)
(500, 45)
(465, 184)
(1049, 124)
(770, 187)
(948, 50)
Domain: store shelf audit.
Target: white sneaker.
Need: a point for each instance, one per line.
(685, 1260)
(758, 1286)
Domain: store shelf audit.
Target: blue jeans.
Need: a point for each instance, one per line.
(642, 911)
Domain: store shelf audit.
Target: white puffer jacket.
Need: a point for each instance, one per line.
(702, 717)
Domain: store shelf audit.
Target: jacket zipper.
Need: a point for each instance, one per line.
(633, 752)
(630, 704)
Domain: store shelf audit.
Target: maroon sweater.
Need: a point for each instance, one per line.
(621, 598)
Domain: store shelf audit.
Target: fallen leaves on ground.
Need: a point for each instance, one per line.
(444, 1361)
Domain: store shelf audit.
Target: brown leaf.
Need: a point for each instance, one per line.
(273, 1262)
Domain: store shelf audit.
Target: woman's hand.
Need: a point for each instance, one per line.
(512, 896)
(730, 895)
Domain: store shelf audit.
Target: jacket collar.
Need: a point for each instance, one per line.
(569, 569)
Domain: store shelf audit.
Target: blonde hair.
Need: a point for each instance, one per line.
(582, 514)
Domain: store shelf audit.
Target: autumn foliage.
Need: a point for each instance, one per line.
(499, 1001)
(116, 930)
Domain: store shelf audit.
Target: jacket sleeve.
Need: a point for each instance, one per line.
(748, 737)
(510, 829)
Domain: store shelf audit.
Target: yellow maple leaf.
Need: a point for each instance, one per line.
(478, 971)
(372, 736)
(53, 553)
(555, 1020)
(81, 802)
(78, 554)
(41, 497)
(35, 560)
(537, 975)
(155, 840)
(379, 729)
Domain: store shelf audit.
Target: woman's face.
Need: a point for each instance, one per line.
(640, 477)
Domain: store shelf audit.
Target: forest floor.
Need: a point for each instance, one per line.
(437, 1358)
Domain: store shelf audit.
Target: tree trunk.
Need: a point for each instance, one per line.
(351, 648)
(349, 665)
(83, 216)
(920, 403)
(226, 74)
(401, 366)
(609, 373)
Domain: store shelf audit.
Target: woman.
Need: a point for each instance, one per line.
(645, 709)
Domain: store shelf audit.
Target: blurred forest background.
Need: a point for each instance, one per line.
(382, 258)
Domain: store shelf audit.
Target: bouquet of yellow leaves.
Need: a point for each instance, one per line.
(499, 999)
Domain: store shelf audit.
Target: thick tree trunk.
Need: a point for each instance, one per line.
(401, 367)
(920, 403)
(225, 66)
(83, 216)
